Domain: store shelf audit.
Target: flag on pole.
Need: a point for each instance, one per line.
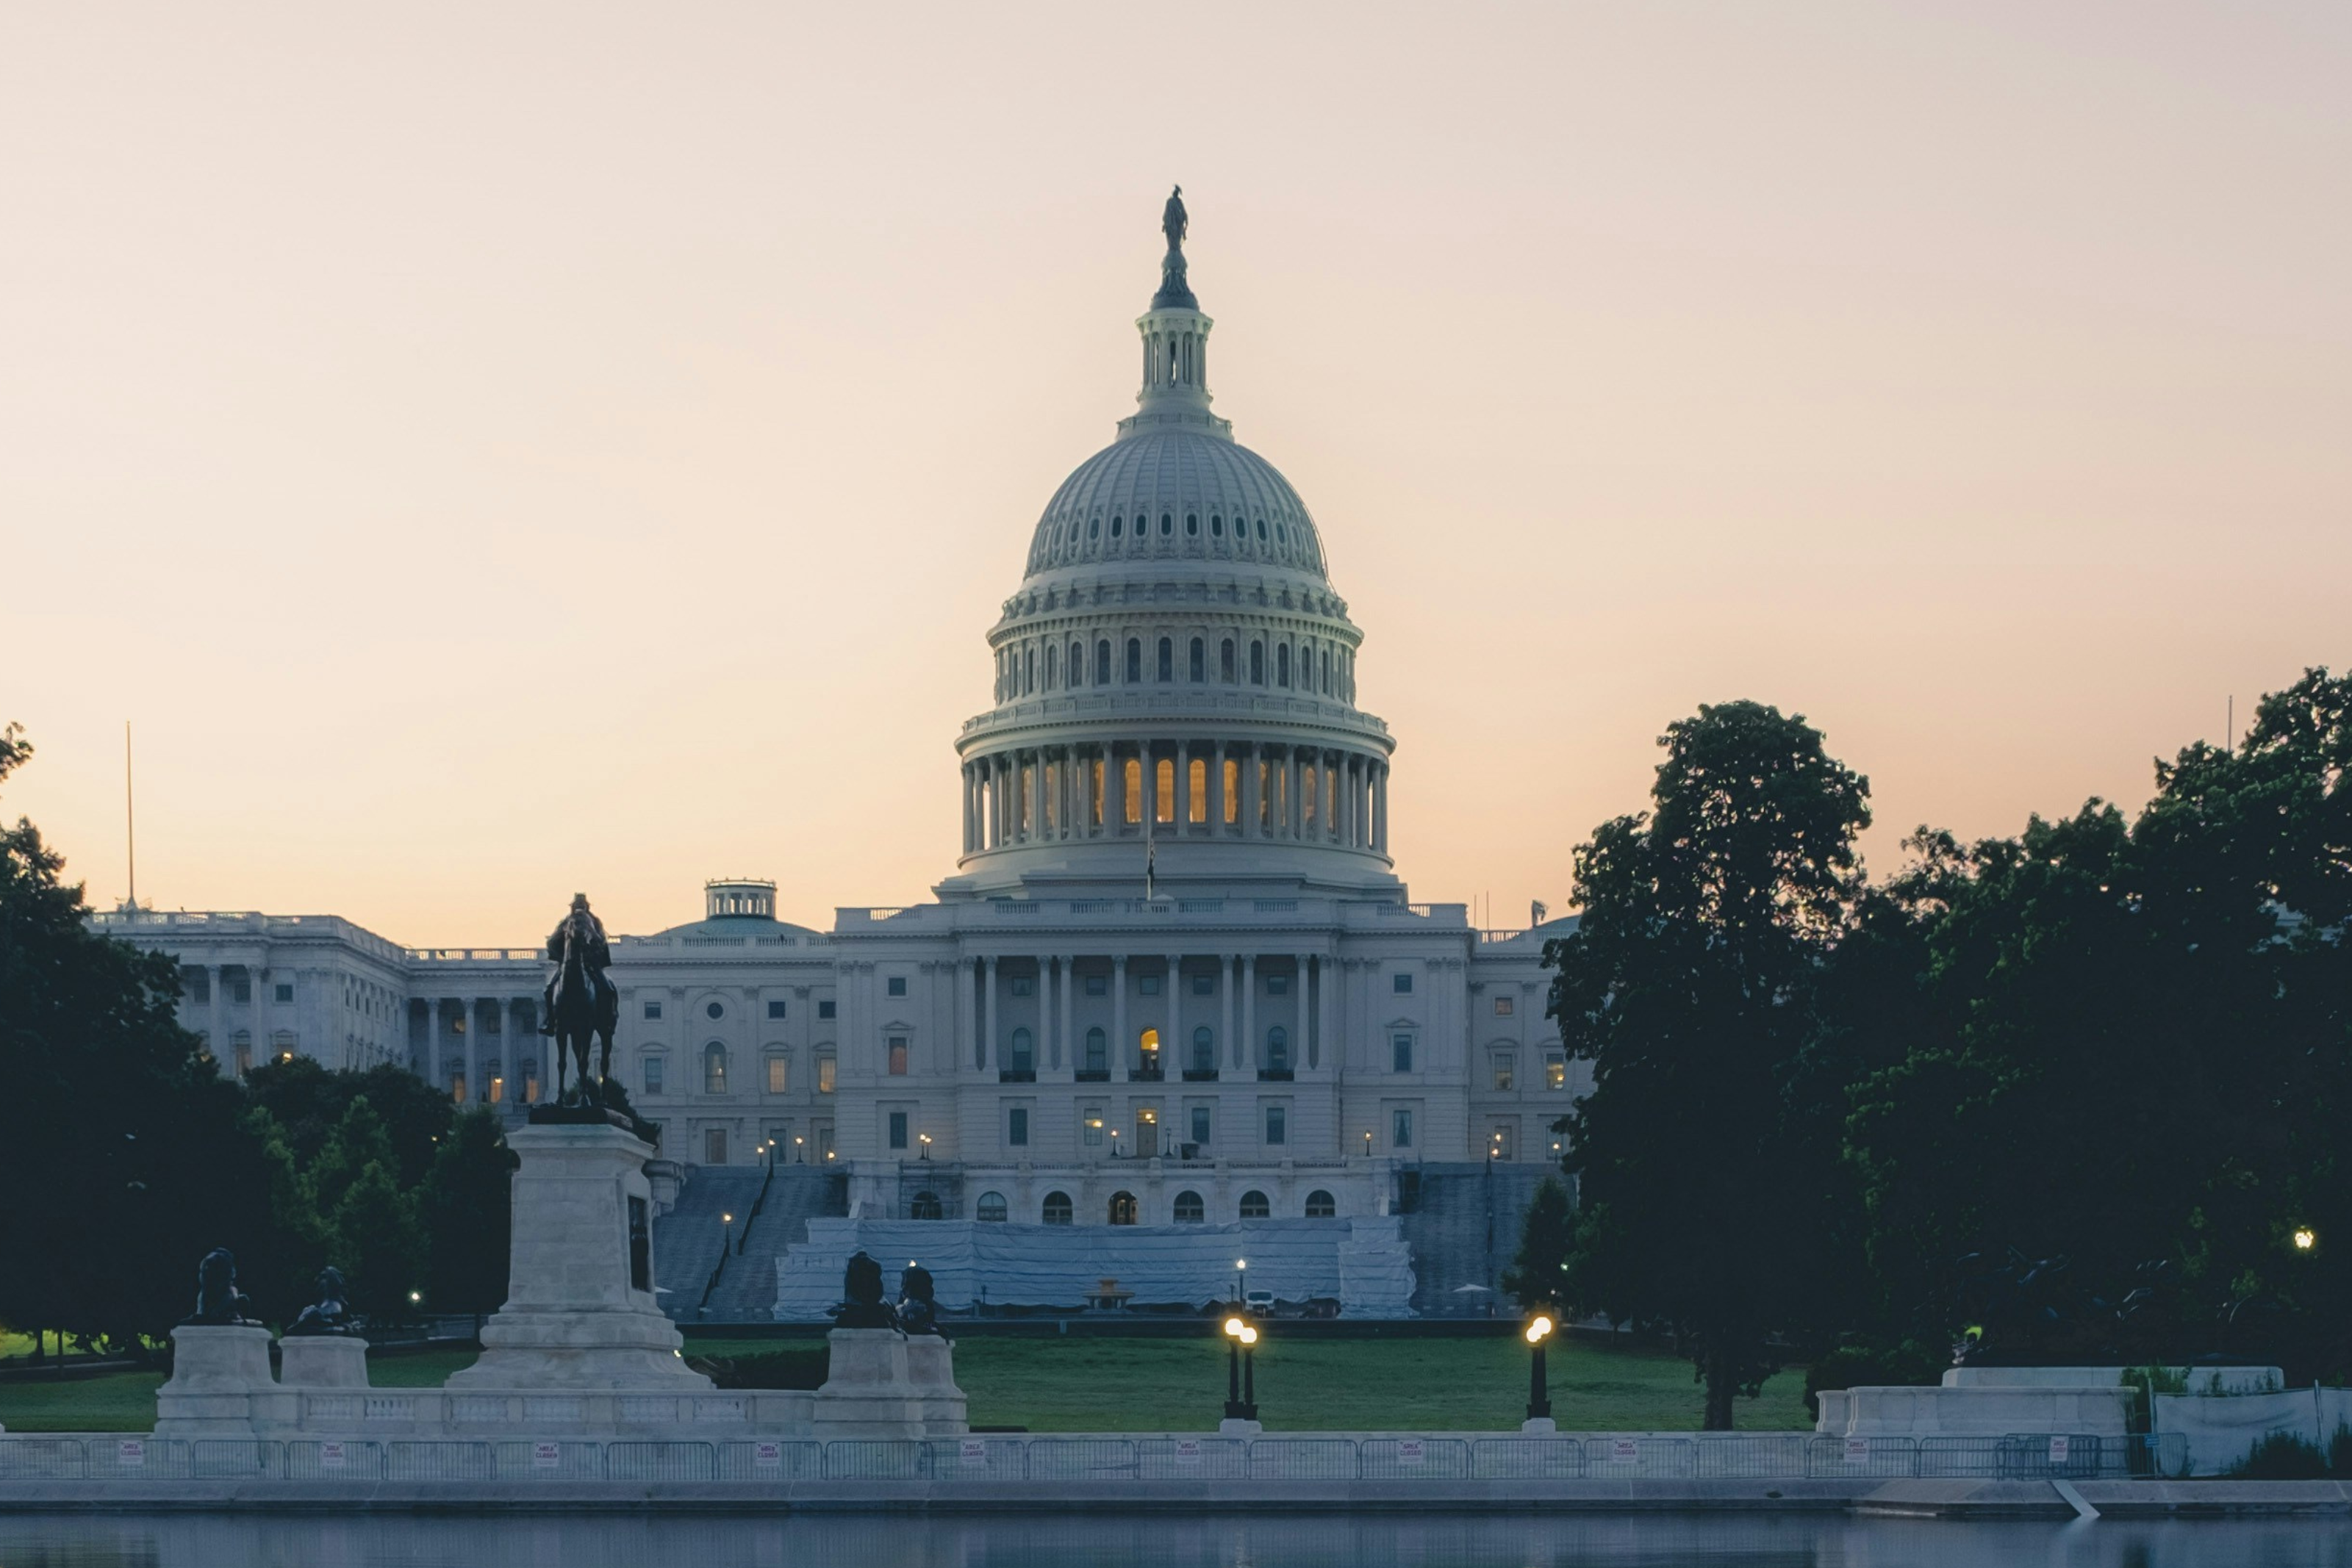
(1151, 855)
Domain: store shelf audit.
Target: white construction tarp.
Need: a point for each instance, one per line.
(2221, 1431)
(1363, 1263)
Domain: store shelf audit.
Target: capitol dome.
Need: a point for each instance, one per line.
(1175, 677)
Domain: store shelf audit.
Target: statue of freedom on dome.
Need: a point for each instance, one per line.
(1173, 223)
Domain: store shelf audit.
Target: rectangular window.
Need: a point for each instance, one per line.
(1098, 985)
(653, 1074)
(1504, 1063)
(775, 1009)
(1204, 984)
(778, 1077)
(1278, 985)
(1556, 1071)
(285, 992)
(1131, 789)
(1277, 1125)
(897, 1129)
(1016, 1126)
(1196, 775)
(824, 1009)
(1200, 1123)
(1163, 789)
(1148, 984)
(1503, 1005)
(1232, 792)
(1403, 984)
(714, 1145)
(1023, 986)
(1090, 1127)
(825, 1075)
(897, 985)
(1400, 1129)
(653, 1012)
(898, 1056)
(240, 990)
(1400, 1053)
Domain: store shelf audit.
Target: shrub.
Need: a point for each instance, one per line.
(2284, 1456)
(1869, 1367)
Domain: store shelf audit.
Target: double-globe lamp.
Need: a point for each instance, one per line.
(1240, 1381)
(1539, 1330)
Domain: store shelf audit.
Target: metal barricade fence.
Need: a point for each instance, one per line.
(1302, 1460)
(1633, 1458)
(1749, 1456)
(1081, 1459)
(40, 1459)
(528, 1460)
(135, 1458)
(876, 1460)
(1527, 1460)
(659, 1462)
(1412, 1459)
(1192, 1459)
(979, 1459)
(421, 1460)
(328, 1460)
(235, 1459)
(1873, 1458)
(779, 1459)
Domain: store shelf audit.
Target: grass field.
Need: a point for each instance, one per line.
(1109, 1384)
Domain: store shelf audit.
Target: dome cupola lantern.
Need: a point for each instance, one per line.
(1175, 679)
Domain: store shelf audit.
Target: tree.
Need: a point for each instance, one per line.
(123, 1160)
(379, 1242)
(309, 1100)
(468, 1212)
(1690, 984)
(1537, 1277)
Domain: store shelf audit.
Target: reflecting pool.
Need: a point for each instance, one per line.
(1289, 1541)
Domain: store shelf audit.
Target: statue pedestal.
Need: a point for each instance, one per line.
(579, 1311)
(931, 1367)
(322, 1360)
(869, 1390)
(220, 1384)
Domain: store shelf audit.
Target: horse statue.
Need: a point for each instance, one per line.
(582, 1004)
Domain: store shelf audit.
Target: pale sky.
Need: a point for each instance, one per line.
(495, 451)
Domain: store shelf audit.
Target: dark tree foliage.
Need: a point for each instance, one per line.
(309, 1100)
(469, 1215)
(1706, 1162)
(125, 1159)
(1538, 1275)
(2128, 1049)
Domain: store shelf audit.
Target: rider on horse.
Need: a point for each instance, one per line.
(595, 956)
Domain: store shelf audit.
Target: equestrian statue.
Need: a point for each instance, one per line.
(582, 1003)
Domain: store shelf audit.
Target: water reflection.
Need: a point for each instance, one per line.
(1414, 1540)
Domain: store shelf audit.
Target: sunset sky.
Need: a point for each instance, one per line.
(494, 451)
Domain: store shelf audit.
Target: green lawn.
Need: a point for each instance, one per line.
(1108, 1384)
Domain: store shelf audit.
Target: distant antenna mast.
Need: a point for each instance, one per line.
(130, 815)
(2229, 727)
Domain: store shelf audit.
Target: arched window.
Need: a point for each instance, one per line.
(1053, 665)
(1029, 669)
(925, 1206)
(1190, 1209)
(1321, 1205)
(1198, 666)
(1254, 1205)
(1277, 1048)
(991, 1209)
(1226, 662)
(1257, 663)
(714, 1069)
(1094, 528)
(1192, 524)
(1023, 1056)
(1102, 661)
(1122, 1209)
(1261, 529)
(1135, 661)
(1097, 1052)
(1118, 525)
(1167, 524)
(1216, 526)
(1205, 1049)
(1057, 1208)
(1077, 664)
(1167, 658)
(1282, 664)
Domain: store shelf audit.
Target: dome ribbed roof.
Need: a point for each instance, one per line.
(1198, 495)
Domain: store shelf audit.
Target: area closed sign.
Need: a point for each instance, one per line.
(974, 1453)
(1857, 1451)
(1188, 1451)
(1410, 1450)
(546, 1455)
(2058, 1450)
(1625, 1450)
(130, 1454)
(768, 1456)
(330, 1455)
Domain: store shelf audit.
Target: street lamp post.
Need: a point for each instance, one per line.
(1367, 1142)
(1241, 1283)
(726, 1232)
(925, 1139)
(1539, 1330)
(1240, 1371)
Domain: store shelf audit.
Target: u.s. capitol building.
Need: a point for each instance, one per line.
(1174, 979)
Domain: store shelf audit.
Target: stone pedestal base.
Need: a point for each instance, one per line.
(1233, 1427)
(868, 1391)
(322, 1360)
(931, 1367)
(1538, 1426)
(579, 1311)
(220, 1384)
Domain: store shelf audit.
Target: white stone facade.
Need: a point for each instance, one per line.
(1267, 1027)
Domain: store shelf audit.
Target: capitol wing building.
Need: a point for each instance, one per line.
(1174, 983)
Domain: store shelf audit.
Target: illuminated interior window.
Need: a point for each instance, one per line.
(1094, 793)
(1131, 790)
(1310, 791)
(1199, 784)
(1232, 791)
(1163, 787)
